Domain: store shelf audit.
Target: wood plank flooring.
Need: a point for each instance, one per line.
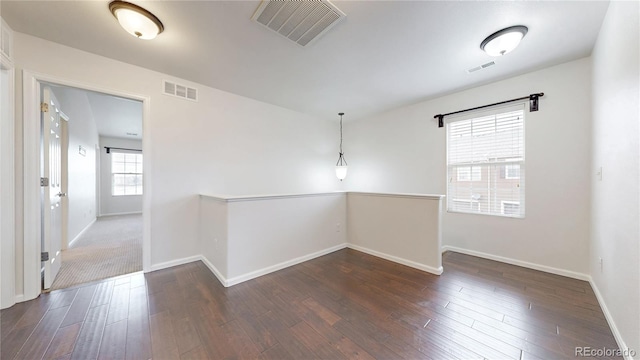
(345, 305)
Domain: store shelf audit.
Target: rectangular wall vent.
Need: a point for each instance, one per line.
(483, 66)
(181, 91)
(300, 21)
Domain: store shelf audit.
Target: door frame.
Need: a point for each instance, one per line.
(31, 85)
(7, 192)
(64, 178)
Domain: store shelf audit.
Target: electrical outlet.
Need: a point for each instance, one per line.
(599, 174)
(601, 265)
(338, 227)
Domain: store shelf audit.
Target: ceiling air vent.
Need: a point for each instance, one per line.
(300, 21)
(483, 66)
(180, 91)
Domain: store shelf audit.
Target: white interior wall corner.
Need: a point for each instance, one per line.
(615, 206)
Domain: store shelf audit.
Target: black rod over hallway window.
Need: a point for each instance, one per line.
(533, 106)
(109, 148)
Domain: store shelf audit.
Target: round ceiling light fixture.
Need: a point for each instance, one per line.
(135, 20)
(503, 41)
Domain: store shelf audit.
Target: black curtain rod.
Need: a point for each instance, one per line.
(117, 148)
(533, 106)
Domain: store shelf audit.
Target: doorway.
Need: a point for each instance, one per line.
(105, 166)
(33, 85)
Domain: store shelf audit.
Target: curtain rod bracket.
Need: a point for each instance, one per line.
(533, 101)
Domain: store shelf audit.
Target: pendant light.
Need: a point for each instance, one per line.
(341, 165)
(135, 20)
(503, 41)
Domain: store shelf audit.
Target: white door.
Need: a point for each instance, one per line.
(51, 170)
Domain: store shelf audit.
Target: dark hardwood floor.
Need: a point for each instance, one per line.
(343, 305)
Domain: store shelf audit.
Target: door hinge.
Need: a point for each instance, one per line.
(44, 107)
(44, 256)
(44, 181)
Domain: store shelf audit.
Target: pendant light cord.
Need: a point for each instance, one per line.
(340, 134)
(341, 160)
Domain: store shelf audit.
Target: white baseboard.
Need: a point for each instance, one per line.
(612, 324)
(168, 264)
(269, 269)
(399, 260)
(548, 269)
(19, 298)
(123, 213)
(215, 271)
(81, 232)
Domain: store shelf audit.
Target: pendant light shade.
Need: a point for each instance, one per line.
(341, 172)
(503, 41)
(135, 20)
(341, 165)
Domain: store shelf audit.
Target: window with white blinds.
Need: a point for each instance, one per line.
(485, 163)
(126, 174)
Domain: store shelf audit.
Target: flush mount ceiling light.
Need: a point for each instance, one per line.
(341, 165)
(135, 20)
(503, 41)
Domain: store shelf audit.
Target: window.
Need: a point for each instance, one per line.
(126, 174)
(467, 205)
(510, 208)
(469, 173)
(512, 171)
(485, 163)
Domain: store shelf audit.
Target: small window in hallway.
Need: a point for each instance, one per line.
(126, 174)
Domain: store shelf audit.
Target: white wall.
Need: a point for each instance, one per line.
(81, 194)
(213, 234)
(109, 204)
(275, 231)
(401, 228)
(403, 151)
(615, 220)
(247, 237)
(222, 144)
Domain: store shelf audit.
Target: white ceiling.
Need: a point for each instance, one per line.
(114, 116)
(385, 54)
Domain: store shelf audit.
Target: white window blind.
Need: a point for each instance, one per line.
(126, 173)
(486, 163)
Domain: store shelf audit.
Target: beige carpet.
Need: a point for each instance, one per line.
(112, 246)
